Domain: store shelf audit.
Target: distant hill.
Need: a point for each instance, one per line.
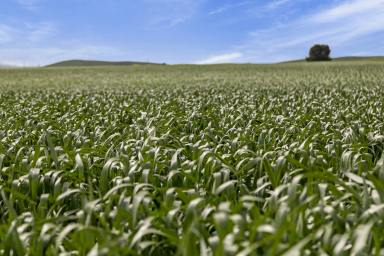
(345, 59)
(93, 63)
(362, 58)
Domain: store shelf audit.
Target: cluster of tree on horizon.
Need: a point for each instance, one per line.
(319, 52)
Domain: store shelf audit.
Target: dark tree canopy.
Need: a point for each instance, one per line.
(319, 52)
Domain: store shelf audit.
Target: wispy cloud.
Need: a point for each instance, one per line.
(166, 22)
(29, 4)
(276, 4)
(348, 9)
(164, 14)
(338, 25)
(227, 7)
(34, 56)
(222, 58)
(26, 32)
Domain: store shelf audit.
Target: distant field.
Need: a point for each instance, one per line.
(282, 159)
(350, 59)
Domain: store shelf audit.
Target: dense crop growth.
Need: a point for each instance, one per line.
(221, 160)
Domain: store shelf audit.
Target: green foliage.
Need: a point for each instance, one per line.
(183, 160)
(319, 52)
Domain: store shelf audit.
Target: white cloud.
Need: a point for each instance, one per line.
(339, 25)
(345, 21)
(222, 58)
(227, 7)
(276, 4)
(167, 22)
(349, 8)
(29, 4)
(35, 56)
(26, 32)
(164, 14)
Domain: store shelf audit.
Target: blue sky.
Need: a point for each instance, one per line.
(38, 32)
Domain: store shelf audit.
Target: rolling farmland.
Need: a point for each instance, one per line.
(282, 159)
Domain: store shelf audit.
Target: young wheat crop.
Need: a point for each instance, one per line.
(212, 160)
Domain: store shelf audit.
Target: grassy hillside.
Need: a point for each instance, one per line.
(357, 58)
(91, 63)
(346, 59)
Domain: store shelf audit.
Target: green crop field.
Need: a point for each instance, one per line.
(282, 159)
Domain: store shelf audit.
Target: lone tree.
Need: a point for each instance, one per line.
(319, 52)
